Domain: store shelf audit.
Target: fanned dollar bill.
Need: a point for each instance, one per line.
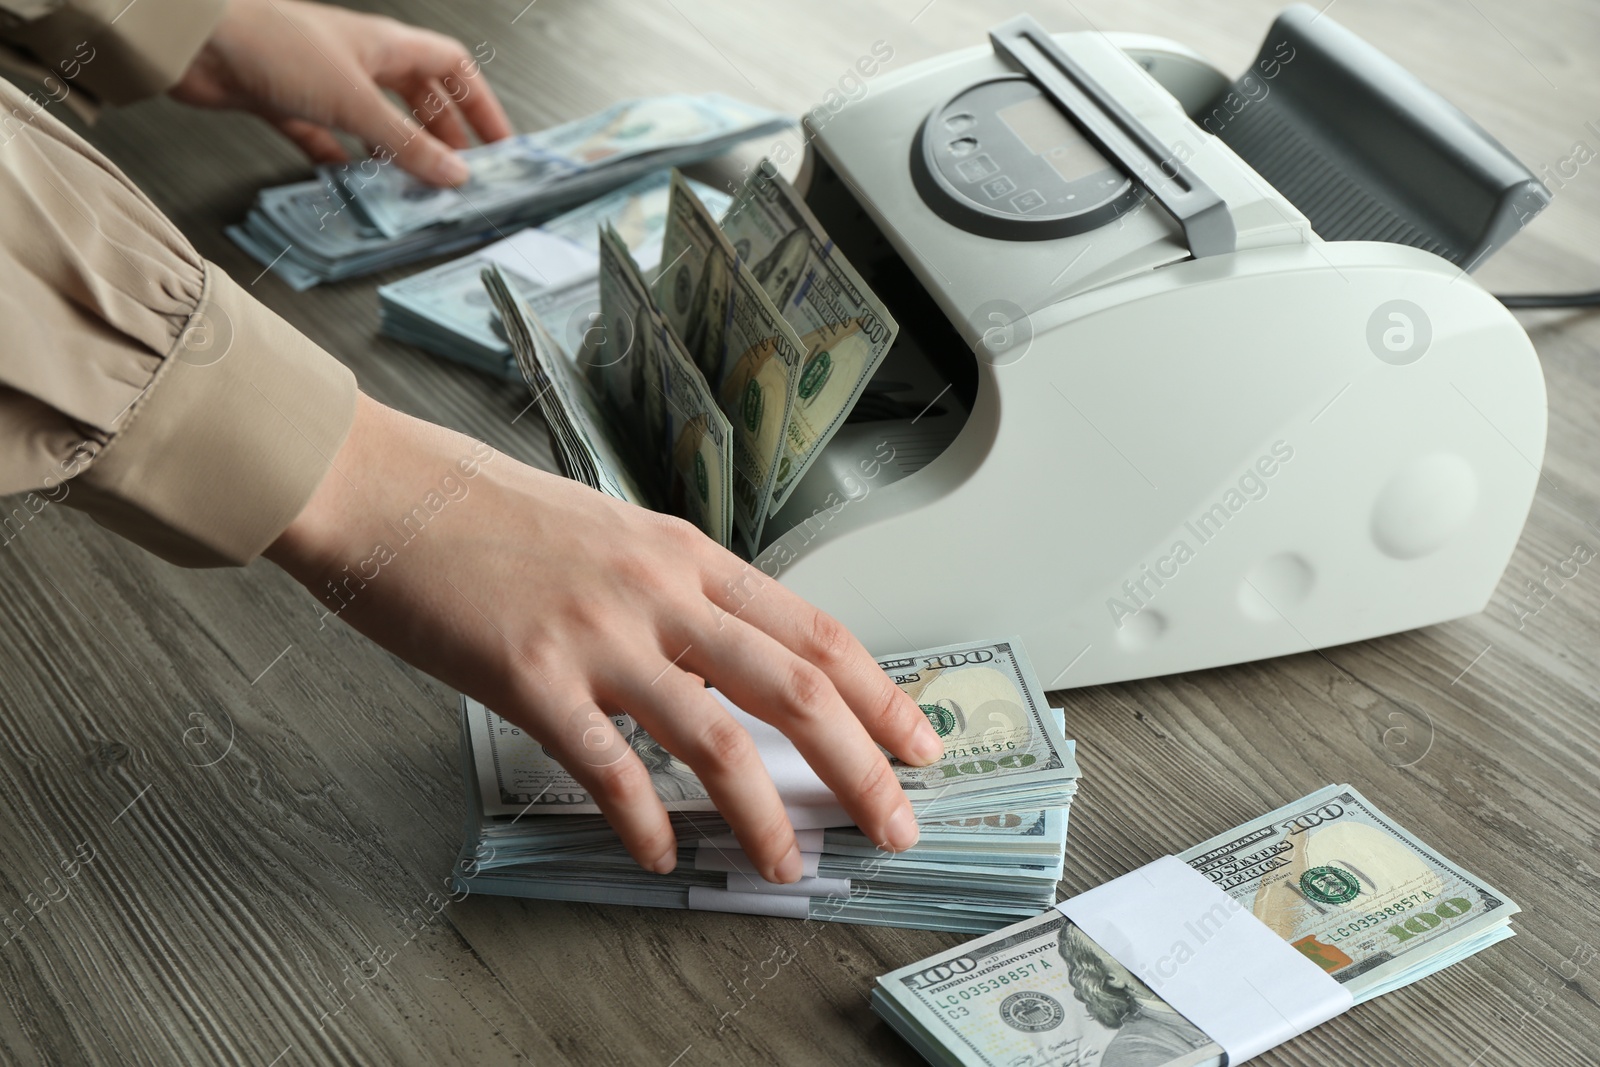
(626, 365)
(740, 342)
(1342, 882)
(1003, 751)
(585, 438)
(844, 327)
(559, 166)
(642, 425)
(652, 389)
(700, 456)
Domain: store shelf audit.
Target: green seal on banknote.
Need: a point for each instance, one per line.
(943, 720)
(1031, 1012)
(815, 374)
(753, 399)
(702, 482)
(1330, 885)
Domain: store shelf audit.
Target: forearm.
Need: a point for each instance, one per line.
(138, 382)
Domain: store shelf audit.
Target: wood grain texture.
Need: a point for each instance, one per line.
(270, 807)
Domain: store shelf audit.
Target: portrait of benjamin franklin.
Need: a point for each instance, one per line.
(708, 315)
(781, 269)
(1148, 1032)
(672, 778)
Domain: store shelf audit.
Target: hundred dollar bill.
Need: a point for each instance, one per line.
(625, 365)
(740, 342)
(844, 327)
(983, 700)
(584, 437)
(700, 460)
(639, 127)
(637, 211)
(1004, 751)
(446, 310)
(682, 440)
(1357, 894)
(502, 174)
(563, 165)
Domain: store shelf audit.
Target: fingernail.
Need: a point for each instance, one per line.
(452, 169)
(902, 830)
(927, 746)
(665, 863)
(789, 868)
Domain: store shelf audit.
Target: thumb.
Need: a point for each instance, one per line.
(372, 117)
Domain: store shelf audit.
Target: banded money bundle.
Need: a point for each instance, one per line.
(708, 390)
(993, 814)
(1356, 894)
(554, 268)
(364, 217)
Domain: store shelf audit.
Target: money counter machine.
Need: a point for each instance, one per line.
(1191, 369)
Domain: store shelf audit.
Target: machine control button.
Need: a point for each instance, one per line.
(995, 188)
(1028, 201)
(978, 168)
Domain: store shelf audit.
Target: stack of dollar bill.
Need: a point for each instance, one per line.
(359, 218)
(708, 389)
(993, 814)
(554, 268)
(1330, 874)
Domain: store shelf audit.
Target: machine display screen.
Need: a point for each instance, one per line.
(1045, 132)
(1000, 158)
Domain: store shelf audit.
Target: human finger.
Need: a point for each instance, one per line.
(423, 54)
(678, 712)
(589, 748)
(433, 109)
(890, 716)
(481, 108)
(317, 142)
(370, 115)
(770, 682)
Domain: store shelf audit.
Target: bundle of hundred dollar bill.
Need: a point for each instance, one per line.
(554, 268)
(358, 218)
(708, 389)
(1334, 877)
(993, 814)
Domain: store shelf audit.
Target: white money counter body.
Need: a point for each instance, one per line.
(1148, 411)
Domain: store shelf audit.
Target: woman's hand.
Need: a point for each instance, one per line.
(550, 602)
(310, 69)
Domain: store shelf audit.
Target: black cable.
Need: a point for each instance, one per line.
(1551, 300)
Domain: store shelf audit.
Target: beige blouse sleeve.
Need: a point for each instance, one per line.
(138, 382)
(116, 51)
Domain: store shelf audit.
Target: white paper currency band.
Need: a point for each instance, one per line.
(704, 899)
(710, 857)
(808, 840)
(1217, 964)
(805, 887)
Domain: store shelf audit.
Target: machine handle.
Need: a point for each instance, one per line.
(1207, 223)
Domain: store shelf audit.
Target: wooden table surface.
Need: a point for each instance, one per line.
(259, 809)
